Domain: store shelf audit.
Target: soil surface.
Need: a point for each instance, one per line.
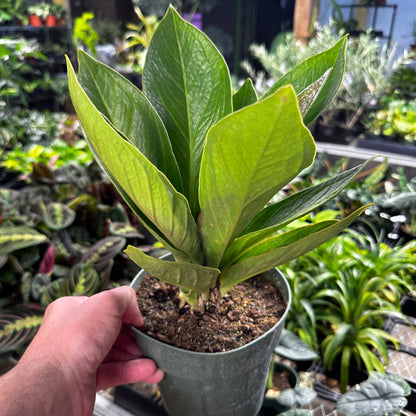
(246, 312)
(281, 381)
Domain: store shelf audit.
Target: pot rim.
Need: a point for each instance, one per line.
(142, 273)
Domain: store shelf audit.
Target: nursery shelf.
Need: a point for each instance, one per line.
(403, 361)
(321, 407)
(106, 407)
(402, 364)
(358, 155)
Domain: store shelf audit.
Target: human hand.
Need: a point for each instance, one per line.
(82, 346)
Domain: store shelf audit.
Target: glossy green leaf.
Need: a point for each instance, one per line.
(309, 95)
(146, 189)
(245, 96)
(186, 275)
(130, 112)
(283, 248)
(308, 72)
(273, 217)
(188, 82)
(14, 238)
(376, 397)
(249, 156)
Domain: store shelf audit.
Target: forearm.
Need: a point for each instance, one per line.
(35, 389)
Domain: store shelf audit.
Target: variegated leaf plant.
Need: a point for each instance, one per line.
(199, 166)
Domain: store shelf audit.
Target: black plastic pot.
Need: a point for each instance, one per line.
(411, 400)
(230, 383)
(271, 403)
(356, 374)
(408, 306)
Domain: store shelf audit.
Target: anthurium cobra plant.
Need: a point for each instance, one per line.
(199, 165)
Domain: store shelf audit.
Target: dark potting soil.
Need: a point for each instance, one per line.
(281, 381)
(246, 312)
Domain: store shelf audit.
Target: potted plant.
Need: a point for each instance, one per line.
(38, 13)
(348, 292)
(367, 66)
(198, 166)
(56, 15)
(282, 389)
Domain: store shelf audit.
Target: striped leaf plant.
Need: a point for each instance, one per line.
(199, 165)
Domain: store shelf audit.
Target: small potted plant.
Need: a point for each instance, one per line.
(56, 15)
(281, 377)
(38, 13)
(199, 166)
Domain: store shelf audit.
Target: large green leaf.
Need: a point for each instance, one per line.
(274, 217)
(374, 397)
(145, 188)
(249, 156)
(130, 112)
(283, 248)
(186, 275)
(14, 238)
(188, 82)
(309, 72)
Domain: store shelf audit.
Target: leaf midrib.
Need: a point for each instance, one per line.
(243, 205)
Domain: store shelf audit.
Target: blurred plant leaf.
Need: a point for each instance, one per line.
(292, 347)
(18, 327)
(103, 251)
(13, 238)
(58, 216)
(376, 396)
(83, 280)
